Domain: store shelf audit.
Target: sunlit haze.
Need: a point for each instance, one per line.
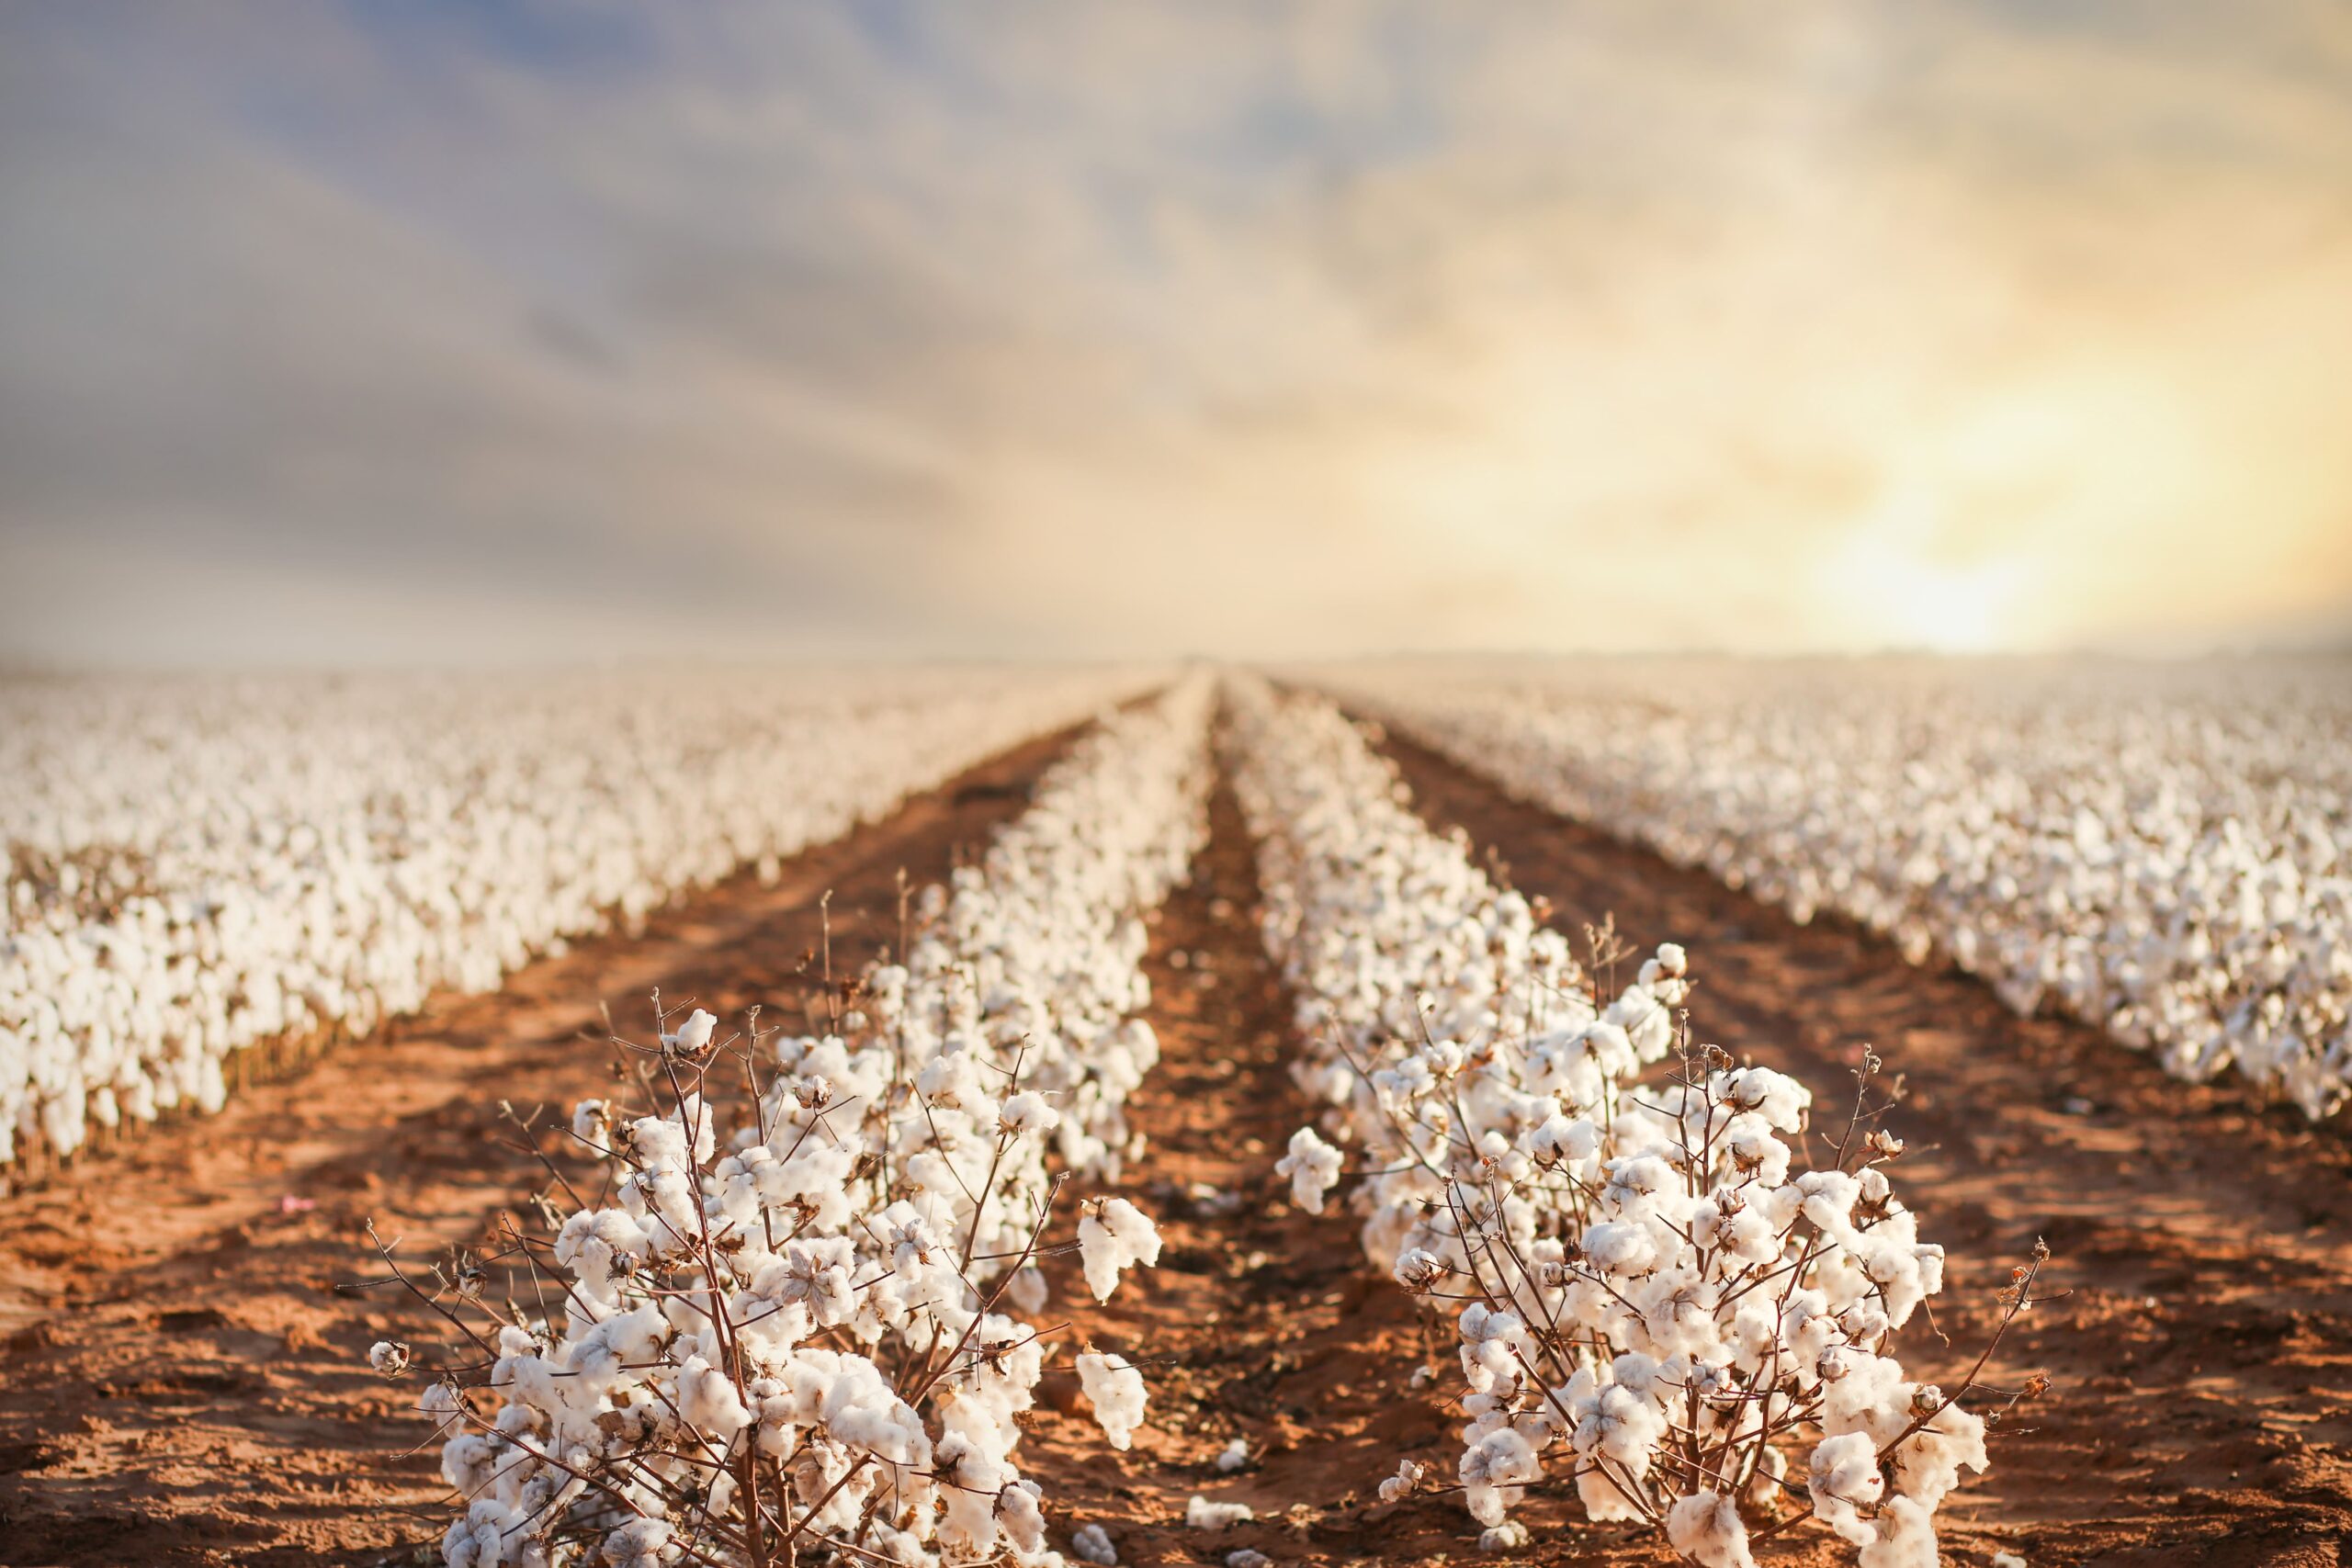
(426, 333)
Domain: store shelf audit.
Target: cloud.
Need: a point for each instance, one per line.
(1070, 329)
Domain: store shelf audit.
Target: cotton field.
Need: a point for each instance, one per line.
(1379, 1112)
(1316, 784)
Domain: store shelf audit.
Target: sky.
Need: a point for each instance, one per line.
(395, 332)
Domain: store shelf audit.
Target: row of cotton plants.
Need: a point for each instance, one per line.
(1662, 1311)
(801, 1323)
(193, 866)
(2166, 854)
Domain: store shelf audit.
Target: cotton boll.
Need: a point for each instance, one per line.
(813, 1274)
(468, 1461)
(1706, 1527)
(1402, 1485)
(1677, 1317)
(952, 1080)
(968, 1525)
(700, 1127)
(1844, 1479)
(1906, 1537)
(1247, 1557)
(1753, 1153)
(1621, 1425)
(1492, 1343)
(1021, 1518)
(640, 1543)
(1645, 1017)
(1745, 1233)
(708, 1402)
(1497, 1466)
(597, 1355)
(1092, 1543)
(693, 1037)
(1561, 1139)
(1313, 1166)
(1420, 1269)
(1930, 1259)
(1117, 1236)
(1829, 1200)
(1609, 1047)
(1927, 1463)
(1027, 1112)
(440, 1405)
(1603, 1498)
(721, 1496)
(1200, 1514)
(1029, 1289)
(1618, 1248)
(1764, 1488)
(657, 1144)
(1635, 1182)
(1779, 1099)
(459, 1547)
(388, 1358)
(1117, 1392)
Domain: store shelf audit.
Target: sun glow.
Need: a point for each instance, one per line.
(1902, 599)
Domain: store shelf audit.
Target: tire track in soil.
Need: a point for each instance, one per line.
(182, 1383)
(2201, 1404)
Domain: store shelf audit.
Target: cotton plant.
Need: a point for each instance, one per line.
(800, 1317)
(1662, 1309)
(1668, 1315)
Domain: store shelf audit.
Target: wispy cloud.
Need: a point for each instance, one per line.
(402, 330)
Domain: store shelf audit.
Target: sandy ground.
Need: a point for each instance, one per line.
(185, 1387)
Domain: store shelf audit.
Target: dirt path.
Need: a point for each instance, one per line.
(1262, 1323)
(2202, 1405)
(182, 1383)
